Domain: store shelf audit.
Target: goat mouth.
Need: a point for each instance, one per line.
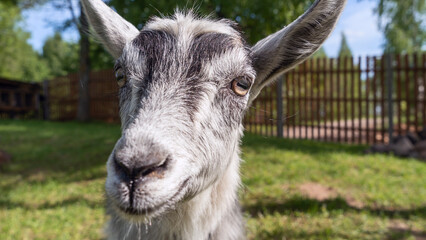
(138, 212)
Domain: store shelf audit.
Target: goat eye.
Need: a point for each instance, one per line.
(120, 77)
(241, 86)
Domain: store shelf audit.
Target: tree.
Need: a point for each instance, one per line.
(18, 60)
(83, 110)
(320, 53)
(77, 21)
(60, 56)
(402, 22)
(344, 51)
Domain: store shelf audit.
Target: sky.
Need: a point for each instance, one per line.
(357, 22)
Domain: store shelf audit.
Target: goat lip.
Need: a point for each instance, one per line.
(131, 211)
(139, 212)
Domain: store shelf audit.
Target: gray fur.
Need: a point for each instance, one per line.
(283, 50)
(174, 173)
(109, 27)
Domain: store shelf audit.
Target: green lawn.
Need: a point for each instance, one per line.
(53, 188)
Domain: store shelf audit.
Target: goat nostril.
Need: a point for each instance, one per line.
(121, 168)
(154, 168)
(149, 170)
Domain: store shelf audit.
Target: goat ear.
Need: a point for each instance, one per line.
(283, 50)
(109, 27)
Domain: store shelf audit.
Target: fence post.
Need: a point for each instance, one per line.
(389, 82)
(38, 101)
(46, 110)
(280, 121)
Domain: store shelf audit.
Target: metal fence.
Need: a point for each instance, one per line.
(362, 100)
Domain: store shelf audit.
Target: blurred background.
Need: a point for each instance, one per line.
(48, 32)
(336, 149)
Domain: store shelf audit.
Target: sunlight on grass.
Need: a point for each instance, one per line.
(53, 188)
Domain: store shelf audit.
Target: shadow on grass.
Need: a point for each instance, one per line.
(398, 233)
(60, 204)
(64, 151)
(53, 152)
(306, 205)
(292, 233)
(259, 143)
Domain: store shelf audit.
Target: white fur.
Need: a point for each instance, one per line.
(195, 121)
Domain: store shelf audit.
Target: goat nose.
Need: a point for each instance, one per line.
(140, 167)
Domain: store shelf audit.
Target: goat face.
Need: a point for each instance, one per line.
(184, 86)
(182, 98)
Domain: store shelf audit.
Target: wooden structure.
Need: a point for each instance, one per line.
(19, 98)
(103, 92)
(362, 100)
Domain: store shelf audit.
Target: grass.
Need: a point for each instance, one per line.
(53, 187)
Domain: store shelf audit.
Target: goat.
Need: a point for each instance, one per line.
(184, 85)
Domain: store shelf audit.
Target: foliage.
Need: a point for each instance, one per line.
(17, 58)
(53, 188)
(344, 50)
(24, 4)
(403, 24)
(320, 53)
(257, 18)
(69, 52)
(99, 58)
(61, 56)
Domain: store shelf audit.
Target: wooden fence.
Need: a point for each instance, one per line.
(19, 98)
(362, 100)
(345, 100)
(63, 97)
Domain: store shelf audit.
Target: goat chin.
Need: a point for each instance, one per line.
(214, 213)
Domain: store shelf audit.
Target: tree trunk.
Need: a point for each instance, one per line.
(83, 111)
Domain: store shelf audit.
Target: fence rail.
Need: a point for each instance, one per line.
(346, 100)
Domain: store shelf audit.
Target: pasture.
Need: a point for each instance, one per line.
(293, 189)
